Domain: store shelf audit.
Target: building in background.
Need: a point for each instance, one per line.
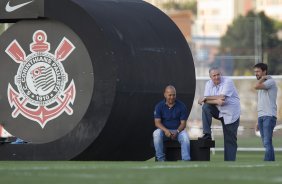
(183, 18)
(272, 8)
(213, 19)
(159, 3)
(184, 21)
(214, 16)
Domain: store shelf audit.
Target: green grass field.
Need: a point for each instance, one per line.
(250, 142)
(247, 169)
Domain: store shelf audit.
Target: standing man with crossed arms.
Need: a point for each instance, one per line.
(267, 108)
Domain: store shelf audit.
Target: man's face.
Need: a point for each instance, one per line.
(259, 73)
(170, 95)
(215, 76)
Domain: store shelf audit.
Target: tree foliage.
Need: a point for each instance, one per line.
(242, 37)
(189, 5)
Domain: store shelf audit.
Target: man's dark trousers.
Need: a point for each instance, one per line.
(229, 131)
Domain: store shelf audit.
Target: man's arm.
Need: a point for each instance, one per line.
(259, 85)
(215, 100)
(158, 124)
(181, 127)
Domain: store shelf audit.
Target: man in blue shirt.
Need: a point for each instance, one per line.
(170, 119)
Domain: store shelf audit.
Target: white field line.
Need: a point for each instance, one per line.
(246, 149)
(191, 165)
(27, 171)
(240, 77)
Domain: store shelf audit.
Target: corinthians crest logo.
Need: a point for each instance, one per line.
(41, 80)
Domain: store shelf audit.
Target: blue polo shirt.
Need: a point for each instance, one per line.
(171, 117)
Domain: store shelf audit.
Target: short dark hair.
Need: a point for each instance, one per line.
(262, 66)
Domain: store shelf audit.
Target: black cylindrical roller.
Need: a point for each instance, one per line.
(92, 73)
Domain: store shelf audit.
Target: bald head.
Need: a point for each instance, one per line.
(170, 87)
(170, 94)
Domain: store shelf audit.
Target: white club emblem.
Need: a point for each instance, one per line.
(41, 80)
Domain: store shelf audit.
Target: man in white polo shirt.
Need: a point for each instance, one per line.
(267, 108)
(221, 101)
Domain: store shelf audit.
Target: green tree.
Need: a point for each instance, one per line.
(189, 5)
(241, 38)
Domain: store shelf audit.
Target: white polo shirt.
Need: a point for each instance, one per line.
(230, 110)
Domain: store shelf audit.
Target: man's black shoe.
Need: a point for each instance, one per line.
(205, 137)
